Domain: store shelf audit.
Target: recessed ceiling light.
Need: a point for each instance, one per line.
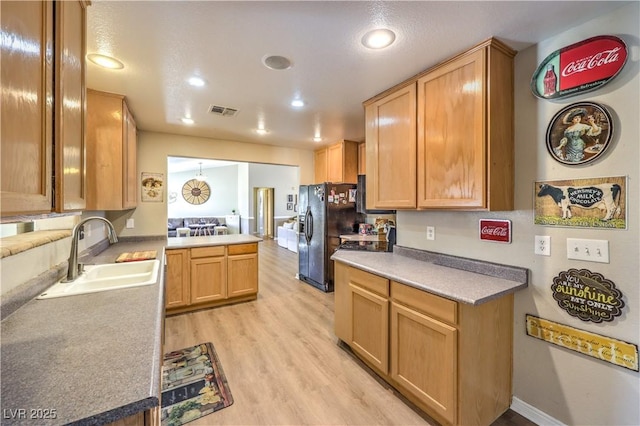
(196, 81)
(105, 61)
(378, 39)
(187, 120)
(276, 62)
(317, 139)
(262, 131)
(297, 103)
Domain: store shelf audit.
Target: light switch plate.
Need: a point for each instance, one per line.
(588, 250)
(542, 245)
(130, 223)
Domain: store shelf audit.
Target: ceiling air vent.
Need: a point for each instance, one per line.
(223, 111)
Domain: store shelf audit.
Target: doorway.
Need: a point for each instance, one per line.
(263, 205)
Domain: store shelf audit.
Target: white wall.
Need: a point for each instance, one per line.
(570, 387)
(284, 183)
(153, 150)
(223, 183)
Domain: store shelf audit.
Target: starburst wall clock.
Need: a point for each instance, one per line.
(196, 191)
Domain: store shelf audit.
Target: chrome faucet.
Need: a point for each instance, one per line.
(72, 272)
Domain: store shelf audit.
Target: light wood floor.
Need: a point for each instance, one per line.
(282, 360)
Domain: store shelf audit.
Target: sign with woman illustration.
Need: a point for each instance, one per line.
(579, 133)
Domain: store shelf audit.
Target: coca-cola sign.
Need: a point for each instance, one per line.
(495, 230)
(579, 68)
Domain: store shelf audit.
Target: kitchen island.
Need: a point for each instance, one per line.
(86, 359)
(438, 328)
(208, 271)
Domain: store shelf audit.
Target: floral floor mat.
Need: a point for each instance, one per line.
(193, 385)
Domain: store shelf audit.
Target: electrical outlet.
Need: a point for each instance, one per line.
(542, 245)
(431, 233)
(588, 250)
(130, 223)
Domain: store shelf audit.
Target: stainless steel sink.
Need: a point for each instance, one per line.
(111, 276)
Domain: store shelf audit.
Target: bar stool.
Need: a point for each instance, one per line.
(219, 230)
(183, 232)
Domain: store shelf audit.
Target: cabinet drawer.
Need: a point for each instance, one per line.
(369, 281)
(427, 303)
(242, 249)
(197, 252)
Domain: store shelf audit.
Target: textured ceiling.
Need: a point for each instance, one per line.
(162, 43)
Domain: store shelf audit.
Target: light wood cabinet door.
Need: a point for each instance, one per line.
(370, 327)
(320, 165)
(362, 158)
(334, 163)
(342, 302)
(208, 279)
(130, 179)
(451, 134)
(465, 131)
(432, 379)
(242, 274)
(391, 150)
(70, 106)
(111, 153)
(177, 278)
(27, 111)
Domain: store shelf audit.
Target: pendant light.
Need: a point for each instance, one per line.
(199, 175)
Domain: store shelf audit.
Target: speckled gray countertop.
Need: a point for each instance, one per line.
(213, 240)
(471, 284)
(88, 359)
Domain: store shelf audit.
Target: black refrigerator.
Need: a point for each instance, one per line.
(327, 210)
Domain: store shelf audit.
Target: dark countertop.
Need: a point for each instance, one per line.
(475, 283)
(92, 359)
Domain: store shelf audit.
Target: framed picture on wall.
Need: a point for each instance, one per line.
(579, 133)
(152, 187)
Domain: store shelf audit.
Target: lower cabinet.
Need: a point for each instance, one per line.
(418, 336)
(369, 297)
(451, 359)
(208, 274)
(202, 277)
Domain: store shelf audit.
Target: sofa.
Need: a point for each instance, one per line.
(288, 235)
(184, 222)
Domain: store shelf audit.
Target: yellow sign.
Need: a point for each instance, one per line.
(594, 345)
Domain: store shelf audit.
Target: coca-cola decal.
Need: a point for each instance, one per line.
(579, 68)
(587, 295)
(495, 230)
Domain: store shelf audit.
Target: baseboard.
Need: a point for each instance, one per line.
(533, 414)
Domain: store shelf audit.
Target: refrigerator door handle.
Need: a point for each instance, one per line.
(310, 228)
(306, 226)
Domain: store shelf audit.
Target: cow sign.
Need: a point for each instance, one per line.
(593, 203)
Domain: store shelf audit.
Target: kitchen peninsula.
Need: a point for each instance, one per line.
(453, 314)
(208, 271)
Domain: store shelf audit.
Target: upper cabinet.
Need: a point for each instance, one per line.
(391, 150)
(444, 139)
(70, 106)
(111, 153)
(43, 105)
(362, 159)
(337, 163)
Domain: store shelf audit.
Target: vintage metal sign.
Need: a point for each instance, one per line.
(495, 230)
(594, 345)
(585, 203)
(579, 133)
(579, 68)
(587, 295)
